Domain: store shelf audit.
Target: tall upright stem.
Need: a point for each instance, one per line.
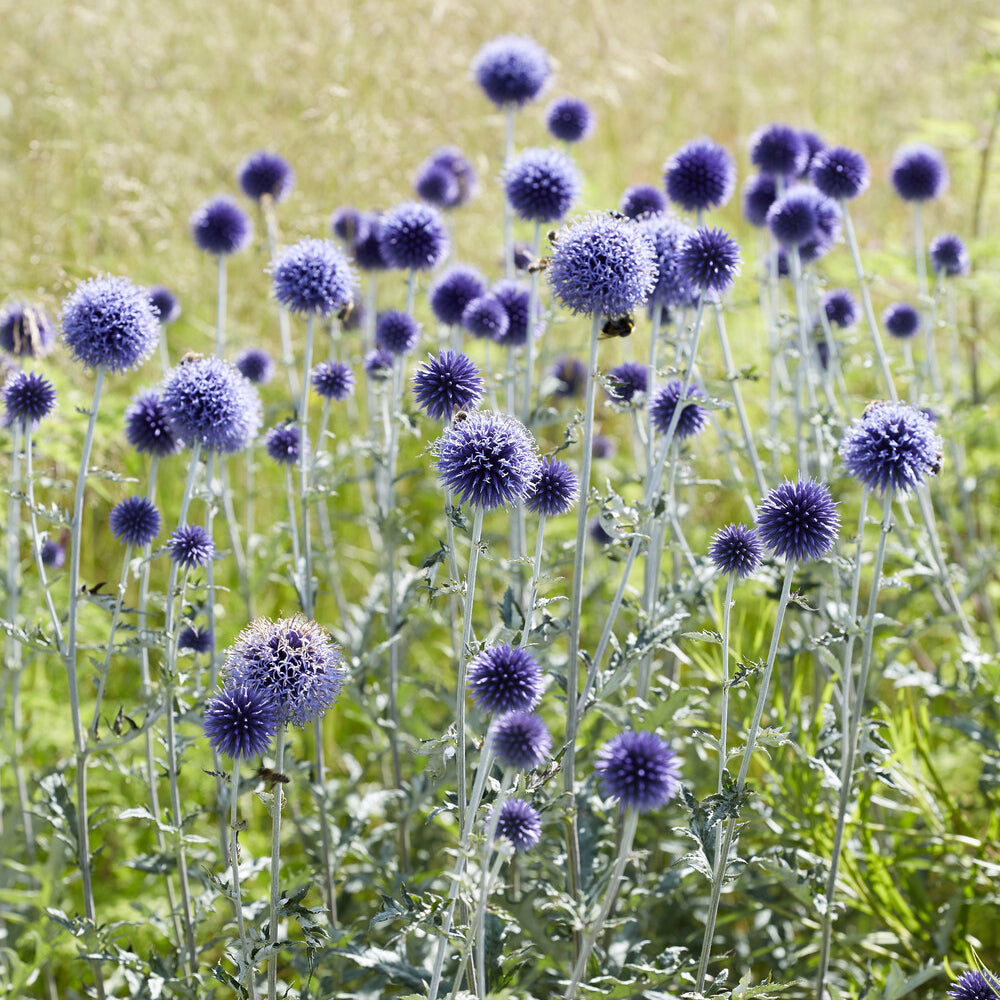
(220, 308)
(463, 655)
(234, 860)
(529, 343)
(272, 958)
(508, 213)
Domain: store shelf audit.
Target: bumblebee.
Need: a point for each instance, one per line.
(618, 326)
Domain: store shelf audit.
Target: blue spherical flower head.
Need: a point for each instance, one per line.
(798, 520)
(602, 446)
(396, 332)
(982, 985)
(642, 199)
(313, 277)
(255, 365)
(827, 226)
(282, 443)
(948, 255)
(26, 331)
(541, 185)
(839, 172)
(488, 460)
(693, 419)
(333, 380)
(779, 150)
(521, 740)
(454, 161)
(815, 145)
(413, 237)
(135, 521)
(569, 119)
(221, 227)
(602, 266)
(165, 303)
(792, 218)
(709, 260)
(265, 174)
(901, 320)
(110, 323)
(206, 400)
(668, 233)
(147, 427)
(447, 383)
(378, 364)
(516, 300)
(191, 546)
(918, 173)
(240, 722)
(53, 554)
(195, 639)
(840, 307)
(486, 318)
(511, 70)
(453, 291)
(436, 185)
(293, 662)
(367, 246)
(27, 398)
(759, 194)
(627, 380)
(639, 769)
(554, 490)
(736, 550)
(349, 224)
(700, 175)
(519, 823)
(893, 446)
(571, 376)
(505, 679)
(598, 534)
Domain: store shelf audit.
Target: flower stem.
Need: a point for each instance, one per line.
(234, 855)
(220, 308)
(272, 958)
(536, 570)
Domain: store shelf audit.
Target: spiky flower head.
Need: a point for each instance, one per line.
(668, 234)
(516, 300)
(292, 661)
(792, 218)
(981, 985)
(603, 447)
(569, 119)
(110, 323)
(195, 638)
(377, 364)
(313, 277)
(413, 237)
(191, 546)
(779, 150)
(453, 291)
(840, 307)
(736, 550)
(446, 178)
(700, 175)
(282, 443)
(541, 184)
(892, 446)
(333, 380)
(948, 255)
(709, 260)
(147, 427)
(521, 740)
(485, 317)
(693, 418)
(396, 332)
(839, 172)
(349, 224)
(759, 193)
(240, 721)
(815, 144)
(135, 521)
(255, 365)
(639, 769)
(165, 303)
(627, 380)
(918, 172)
(367, 246)
(554, 490)
(26, 330)
(642, 199)
(266, 173)
(901, 320)
(798, 520)
(219, 226)
(519, 823)
(27, 398)
(447, 383)
(53, 554)
(505, 679)
(511, 70)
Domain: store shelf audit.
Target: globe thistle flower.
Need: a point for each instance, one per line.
(736, 550)
(524, 257)
(779, 150)
(667, 234)
(893, 446)
(486, 318)
(282, 443)
(814, 146)
(949, 257)
(333, 380)
(191, 546)
(602, 447)
(221, 227)
(827, 227)
(541, 184)
(27, 398)
(516, 300)
(135, 521)
(982, 985)
(840, 307)
(759, 194)
(195, 638)
(53, 554)
(700, 175)
(598, 534)
(792, 218)
(901, 320)
(147, 427)
(639, 769)
(255, 365)
(26, 331)
(511, 70)
(642, 199)
(452, 160)
(505, 679)
(918, 173)
(165, 304)
(109, 322)
(265, 173)
(313, 277)
(240, 722)
(569, 119)
(436, 184)
(367, 246)
(447, 383)
(519, 823)
(554, 489)
(625, 381)
(571, 375)
(378, 364)
(396, 332)
(839, 172)
(602, 266)
(709, 260)
(488, 460)
(453, 291)
(693, 419)
(413, 237)
(293, 662)
(798, 520)
(349, 224)
(521, 740)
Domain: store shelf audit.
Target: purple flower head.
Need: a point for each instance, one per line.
(454, 161)
(488, 460)
(521, 740)
(486, 318)
(602, 266)
(147, 428)
(349, 224)
(572, 376)
(27, 398)
(700, 175)
(367, 246)
(779, 150)
(447, 383)
(516, 299)
(165, 303)
(206, 400)
(554, 490)
(569, 119)
(736, 550)
(541, 185)
(523, 257)
(221, 227)
(293, 662)
(436, 185)
(642, 199)
(709, 260)
(396, 332)
(195, 638)
(53, 554)
(598, 534)
(264, 173)
(798, 520)
(839, 172)
(453, 291)
(602, 446)
(759, 193)
(110, 323)
(255, 365)
(827, 231)
(333, 380)
(892, 446)
(667, 234)
(378, 364)
(26, 331)
(135, 521)
(918, 173)
(639, 769)
(282, 443)
(505, 679)
(413, 237)
(982, 985)
(693, 419)
(901, 320)
(511, 70)
(814, 146)
(949, 256)
(313, 277)
(191, 546)
(519, 823)
(794, 217)
(625, 381)
(240, 721)
(840, 307)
